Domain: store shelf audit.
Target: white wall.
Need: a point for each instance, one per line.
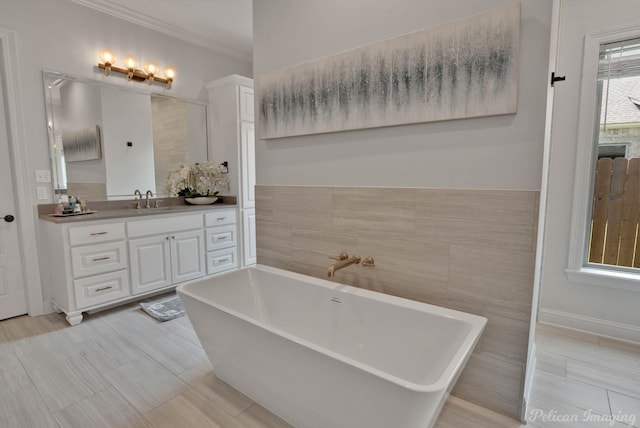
(501, 152)
(64, 36)
(575, 300)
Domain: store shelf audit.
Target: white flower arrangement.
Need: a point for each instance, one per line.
(197, 180)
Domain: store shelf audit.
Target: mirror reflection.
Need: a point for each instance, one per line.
(107, 141)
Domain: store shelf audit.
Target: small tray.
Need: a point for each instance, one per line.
(72, 214)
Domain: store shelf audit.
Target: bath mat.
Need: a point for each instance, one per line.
(164, 309)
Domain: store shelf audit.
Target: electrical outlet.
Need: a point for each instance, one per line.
(43, 176)
(43, 194)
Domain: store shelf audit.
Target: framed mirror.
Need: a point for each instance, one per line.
(107, 141)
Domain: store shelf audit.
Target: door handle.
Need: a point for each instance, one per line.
(9, 218)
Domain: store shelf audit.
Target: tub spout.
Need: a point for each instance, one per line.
(341, 264)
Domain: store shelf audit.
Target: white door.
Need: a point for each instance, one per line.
(248, 152)
(249, 250)
(150, 263)
(12, 290)
(187, 255)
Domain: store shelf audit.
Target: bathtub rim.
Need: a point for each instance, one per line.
(450, 372)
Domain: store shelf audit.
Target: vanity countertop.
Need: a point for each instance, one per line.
(124, 209)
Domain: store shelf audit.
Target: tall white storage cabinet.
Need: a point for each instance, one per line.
(232, 139)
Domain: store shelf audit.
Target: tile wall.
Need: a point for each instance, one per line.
(170, 137)
(471, 250)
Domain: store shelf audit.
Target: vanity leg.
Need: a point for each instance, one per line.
(74, 318)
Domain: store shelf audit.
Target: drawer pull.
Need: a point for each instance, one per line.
(221, 218)
(223, 238)
(223, 260)
(108, 287)
(97, 259)
(99, 233)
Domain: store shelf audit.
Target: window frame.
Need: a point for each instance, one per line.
(578, 267)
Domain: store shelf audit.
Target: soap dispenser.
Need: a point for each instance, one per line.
(59, 209)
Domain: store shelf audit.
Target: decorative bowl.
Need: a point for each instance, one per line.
(201, 200)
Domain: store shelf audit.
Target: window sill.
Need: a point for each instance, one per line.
(605, 278)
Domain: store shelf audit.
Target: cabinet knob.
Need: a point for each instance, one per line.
(9, 218)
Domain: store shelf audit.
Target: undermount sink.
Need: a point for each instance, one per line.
(150, 210)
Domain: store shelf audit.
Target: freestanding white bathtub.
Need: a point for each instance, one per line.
(325, 355)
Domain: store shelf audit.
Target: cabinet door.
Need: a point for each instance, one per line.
(187, 255)
(248, 153)
(246, 104)
(150, 263)
(249, 250)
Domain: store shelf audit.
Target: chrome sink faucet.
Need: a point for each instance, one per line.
(149, 193)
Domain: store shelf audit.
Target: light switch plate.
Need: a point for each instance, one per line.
(43, 176)
(43, 194)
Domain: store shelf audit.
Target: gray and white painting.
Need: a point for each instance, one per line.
(463, 69)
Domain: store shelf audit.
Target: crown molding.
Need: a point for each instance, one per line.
(143, 20)
(234, 79)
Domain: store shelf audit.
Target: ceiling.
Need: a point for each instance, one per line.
(223, 26)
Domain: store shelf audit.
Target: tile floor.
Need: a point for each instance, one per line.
(120, 368)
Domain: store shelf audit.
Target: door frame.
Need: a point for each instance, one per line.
(22, 184)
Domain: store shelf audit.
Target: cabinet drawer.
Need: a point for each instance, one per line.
(221, 260)
(99, 289)
(220, 217)
(82, 235)
(167, 224)
(221, 237)
(101, 258)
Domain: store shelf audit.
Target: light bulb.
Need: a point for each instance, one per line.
(131, 62)
(107, 57)
(151, 68)
(169, 73)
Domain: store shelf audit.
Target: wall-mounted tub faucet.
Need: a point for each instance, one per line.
(368, 262)
(342, 263)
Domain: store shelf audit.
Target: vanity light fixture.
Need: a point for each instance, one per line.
(131, 64)
(151, 68)
(107, 59)
(131, 70)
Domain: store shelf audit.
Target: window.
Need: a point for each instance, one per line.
(615, 209)
(606, 221)
(613, 150)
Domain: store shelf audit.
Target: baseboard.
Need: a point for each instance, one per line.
(47, 307)
(600, 327)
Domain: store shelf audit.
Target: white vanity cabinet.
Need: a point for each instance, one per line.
(222, 241)
(88, 265)
(165, 251)
(94, 264)
(250, 251)
(231, 114)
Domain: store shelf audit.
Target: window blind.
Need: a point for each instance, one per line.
(619, 59)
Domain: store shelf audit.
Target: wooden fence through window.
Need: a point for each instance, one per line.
(616, 213)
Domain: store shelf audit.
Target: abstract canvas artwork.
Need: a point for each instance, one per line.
(82, 145)
(467, 68)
